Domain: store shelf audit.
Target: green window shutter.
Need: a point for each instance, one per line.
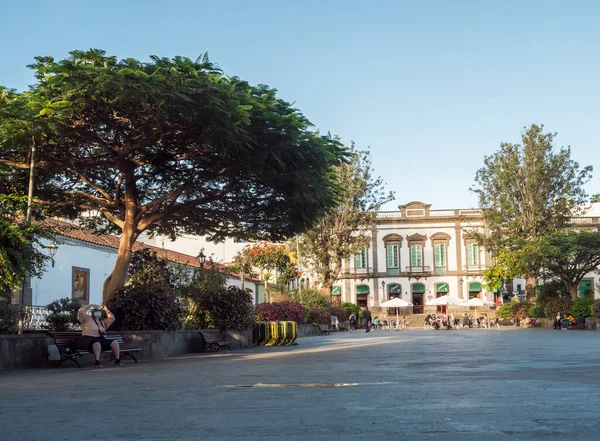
(361, 259)
(440, 254)
(336, 290)
(392, 256)
(472, 254)
(416, 255)
(586, 286)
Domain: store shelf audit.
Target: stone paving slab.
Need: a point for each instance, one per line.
(484, 385)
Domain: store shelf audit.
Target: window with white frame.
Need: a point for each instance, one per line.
(416, 255)
(472, 254)
(360, 260)
(440, 258)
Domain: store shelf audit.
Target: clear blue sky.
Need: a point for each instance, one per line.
(431, 86)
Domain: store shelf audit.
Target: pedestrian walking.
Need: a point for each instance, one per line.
(367, 319)
(353, 320)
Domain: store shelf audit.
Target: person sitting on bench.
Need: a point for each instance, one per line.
(94, 323)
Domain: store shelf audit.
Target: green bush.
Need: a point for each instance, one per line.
(519, 310)
(10, 315)
(230, 309)
(312, 298)
(504, 311)
(351, 308)
(583, 307)
(555, 306)
(536, 312)
(62, 314)
(138, 309)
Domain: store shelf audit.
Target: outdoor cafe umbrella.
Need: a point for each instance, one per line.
(475, 302)
(396, 303)
(445, 300)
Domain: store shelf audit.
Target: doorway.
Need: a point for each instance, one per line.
(417, 302)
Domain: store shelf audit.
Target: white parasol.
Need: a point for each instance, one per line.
(396, 303)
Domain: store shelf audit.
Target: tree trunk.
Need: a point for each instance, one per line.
(530, 288)
(573, 290)
(118, 277)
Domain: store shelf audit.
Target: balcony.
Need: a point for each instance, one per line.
(475, 269)
(418, 271)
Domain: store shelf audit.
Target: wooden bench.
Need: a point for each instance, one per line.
(65, 341)
(215, 345)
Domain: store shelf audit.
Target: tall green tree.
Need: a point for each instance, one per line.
(166, 146)
(595, 198)
(21, 252)
(569, 256)
(348, 227)
(527, 191)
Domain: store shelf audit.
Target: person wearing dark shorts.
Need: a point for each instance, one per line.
(94, 323)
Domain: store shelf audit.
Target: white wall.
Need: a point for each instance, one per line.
(56, 282)
(191, 245)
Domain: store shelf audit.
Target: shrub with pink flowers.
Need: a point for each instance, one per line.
(280, 311)
(340, 313)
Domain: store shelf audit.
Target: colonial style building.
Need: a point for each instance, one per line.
(419, 254)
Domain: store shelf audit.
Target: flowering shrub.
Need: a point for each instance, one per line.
(318, 316)
(280, 311)
(596, 308)
(340, 313)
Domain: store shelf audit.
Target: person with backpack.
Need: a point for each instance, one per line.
(367, 319)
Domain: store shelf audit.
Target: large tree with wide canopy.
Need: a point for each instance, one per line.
(165, 146)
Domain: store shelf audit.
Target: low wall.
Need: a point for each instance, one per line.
(590, 323)
(307, 330)
(32, 350)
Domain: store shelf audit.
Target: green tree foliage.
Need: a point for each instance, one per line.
(595, 198)
(10, 315)
(347, 229)
(569, 256)
(166, 146)
(504, 311)
(527, 191)
(20, 245)
(351, 308)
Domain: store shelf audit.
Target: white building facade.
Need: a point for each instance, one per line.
(418, 254)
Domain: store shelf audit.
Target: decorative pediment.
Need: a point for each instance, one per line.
(441, 237)
(416, 238)
(392, 237)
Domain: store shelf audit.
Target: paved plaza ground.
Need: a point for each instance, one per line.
(477, 384)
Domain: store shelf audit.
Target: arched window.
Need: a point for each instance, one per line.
(362, 295)
(416, 243)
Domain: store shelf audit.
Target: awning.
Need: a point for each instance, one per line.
(442, 287)
(474, 287)
(418, 288)
(395, 288)
(336, 291)
(362, 290)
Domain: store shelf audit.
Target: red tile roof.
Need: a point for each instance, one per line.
(74, 231)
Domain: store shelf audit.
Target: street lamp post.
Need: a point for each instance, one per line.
(201, 259)
(52, 249)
